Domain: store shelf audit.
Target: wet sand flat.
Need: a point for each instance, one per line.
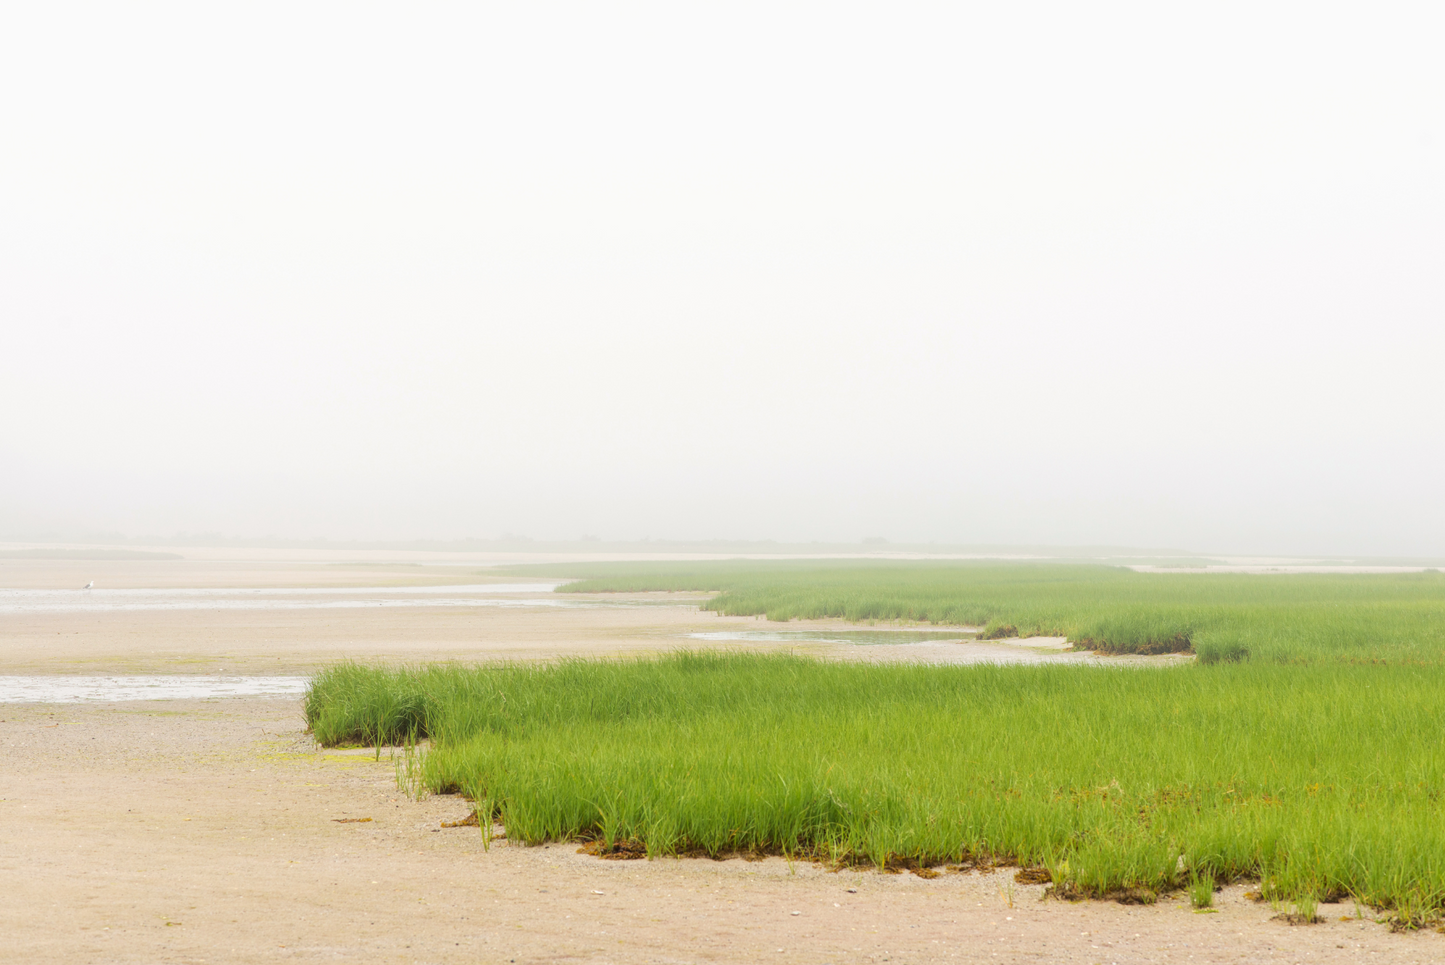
(271, 633)
(267, 641)
(298, 640)
(236, 570)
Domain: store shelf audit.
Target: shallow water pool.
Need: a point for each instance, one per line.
(281, 598)
(862, 638)
(90, 689)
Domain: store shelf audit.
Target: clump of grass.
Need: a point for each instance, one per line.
(1413, 911)
(1201, 890)
(351, 704)
(1224, 618)
(1222, 652)
(1306, 911)
(1315, 779)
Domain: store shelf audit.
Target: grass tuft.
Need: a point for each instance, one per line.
(1201, 890)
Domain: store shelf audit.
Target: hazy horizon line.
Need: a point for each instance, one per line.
(510, 542)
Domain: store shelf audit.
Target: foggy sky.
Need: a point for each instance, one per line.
(1147, 274)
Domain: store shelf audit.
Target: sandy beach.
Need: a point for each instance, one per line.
(212, 830)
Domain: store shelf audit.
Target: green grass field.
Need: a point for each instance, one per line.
(1397, 618)
(1318, 780)
(1302, 749)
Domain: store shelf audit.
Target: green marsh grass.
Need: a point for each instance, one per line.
(1315, 779)
(1201, 890)
(1223, 617)
(1306, 908)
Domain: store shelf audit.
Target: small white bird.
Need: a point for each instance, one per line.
(88, 585)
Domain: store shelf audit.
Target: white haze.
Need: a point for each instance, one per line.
(1154, 274)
